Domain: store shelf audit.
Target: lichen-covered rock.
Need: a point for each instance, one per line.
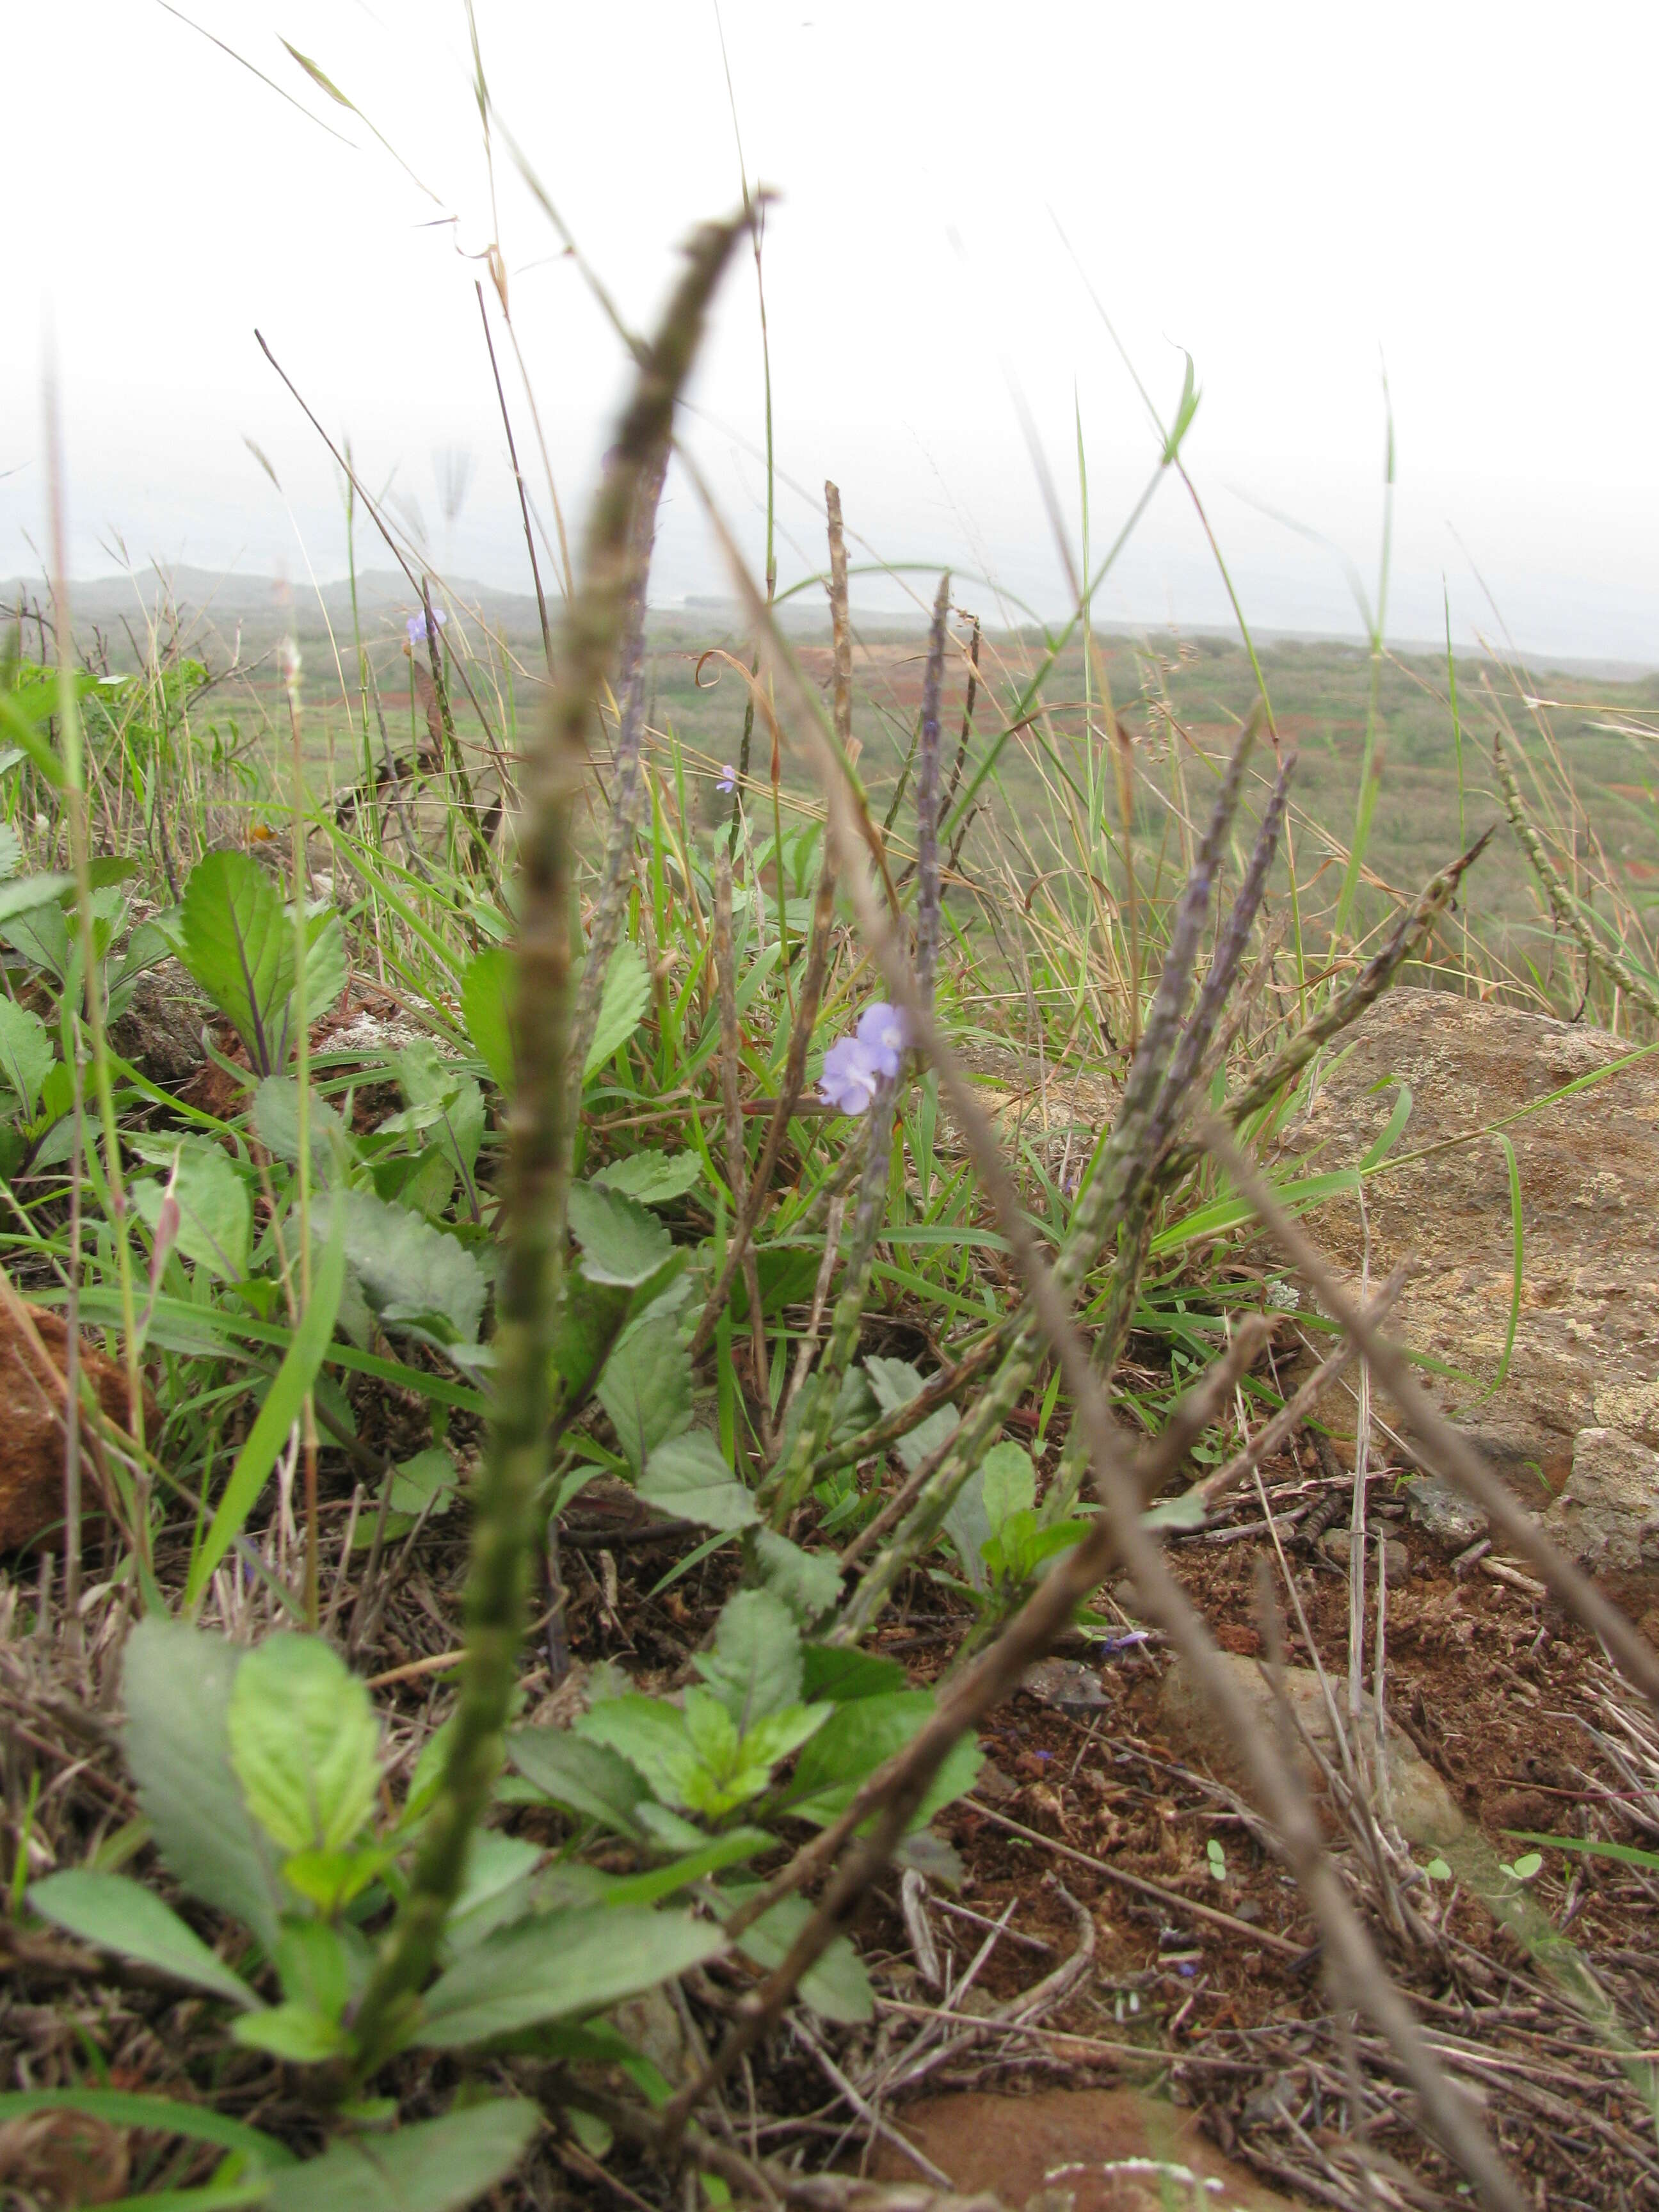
(1585, 1361)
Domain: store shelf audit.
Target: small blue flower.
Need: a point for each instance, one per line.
(416, 625)
(885, 1031)
(856, 1066)
(851, 1076)
(727, 779)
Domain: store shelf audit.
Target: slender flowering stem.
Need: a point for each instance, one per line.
(530, 1284)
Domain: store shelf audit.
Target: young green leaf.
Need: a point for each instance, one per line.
(559, 1965)
(216, 1213)
(436, 2166)
(305, 1744)
(176, 1683)
(120, 1915)
(687, 1477)
(293, 2030)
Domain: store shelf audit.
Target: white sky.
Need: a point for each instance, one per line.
(1297, 194)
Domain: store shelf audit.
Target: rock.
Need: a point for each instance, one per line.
(1396, 1558)
(1104, 2150)
(1064, 1683)
(1584, 1366)
(159, 1031)
(1424, 1809)
(31, 1435)
(1607, 1517)
(1440, 1509)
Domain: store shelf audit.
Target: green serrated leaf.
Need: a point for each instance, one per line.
(841, 1674)
(120, 1915)
(412, 1274)
(653, 1178)
(305, 1744)
(687, 1478)
(176, 1683)
(561, 1965)
(755, 1668)
(216, 1212)
(487, 986)
(856, 1740)
(622, 1003)
(809, 1582)
(835, 1985)
(622, 1242)
(651, 1736)
(26, 1053)
(585, 1777)
(646, 1388)
(436, 2166)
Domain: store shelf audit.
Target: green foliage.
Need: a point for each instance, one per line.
(433, 2166)
(237, 939)
(304, 1744)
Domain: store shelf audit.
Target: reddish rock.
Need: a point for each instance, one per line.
(31, 1425)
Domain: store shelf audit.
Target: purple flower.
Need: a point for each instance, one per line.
(885, 1031)
(416, 625)
(856, 1067)
(851, 1075)
(727, 781)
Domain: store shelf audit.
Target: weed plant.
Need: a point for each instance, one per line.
(611, 1098)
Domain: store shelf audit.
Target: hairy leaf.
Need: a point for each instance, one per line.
(559, 1965)
(622, 1003)
(654, 1178)
(176, 1683)
(646, 1388)
(120, 1915)
(412, 1275)
(755, 1668)
(687, 1477)
(622, 1242)
(436, 2166)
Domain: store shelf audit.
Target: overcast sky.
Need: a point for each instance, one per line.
(1301, 196)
